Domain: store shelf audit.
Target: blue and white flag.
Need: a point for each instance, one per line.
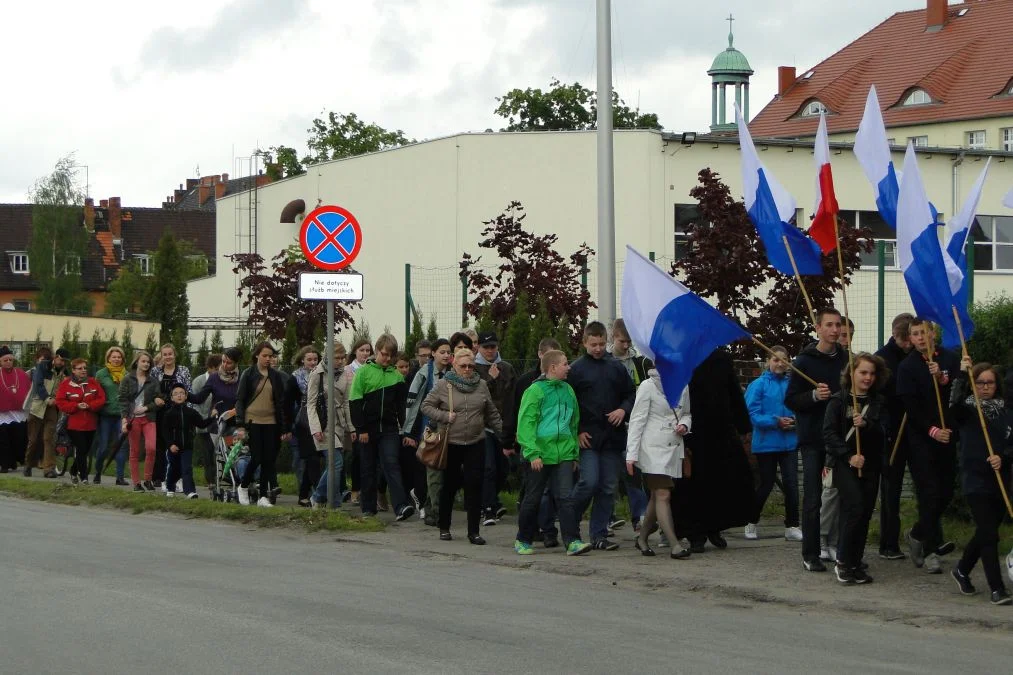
(670, 324)
(771, 207)
(958, 238)
(927, 270)
(873, 153)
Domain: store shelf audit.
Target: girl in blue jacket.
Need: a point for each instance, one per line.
(774, 441)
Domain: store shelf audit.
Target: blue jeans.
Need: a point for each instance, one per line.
(768, 463)
(179, 465)
(383, 449)
(109, 432)
(557, 481)
(338, 467)
(813, 458)
(490, 495)
(599, 477)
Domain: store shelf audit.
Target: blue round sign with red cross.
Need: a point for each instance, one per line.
(330, 237)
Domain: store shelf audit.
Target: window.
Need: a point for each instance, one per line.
(143, 264)
(891, 141)
(19, 262)
(813, 109)
(22, 305)
(917, 97)
(993, 243)
(1007, 139)
(686, 217)
(976, 139)
(880, 232)
(919, 141)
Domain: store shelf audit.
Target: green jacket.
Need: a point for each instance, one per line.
(377, 399)
(112, 406)
(547, 422)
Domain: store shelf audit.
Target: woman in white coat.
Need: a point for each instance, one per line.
(655, 445)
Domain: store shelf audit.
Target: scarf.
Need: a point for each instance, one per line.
(991, 408)
(227, 377)
(116, 372)
(465, 385)
(482, 361)
(302, 376)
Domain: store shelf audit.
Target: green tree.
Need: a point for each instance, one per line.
(319, 337)
(96, 351)
(128, 342)
(59, 240)
(75, 338)
(286, 163)
(113, 341)
(151, 343)
(127, 291)
(290, 345)
(993, 331)
(203, 351)
(361, 332)
(564, 337)
(165, 300)
(67, 339)
(432, 332)
(415, 336)
(518, 332)
(565, 107)
(337, 135)
(485, 321)
(541, 327)
(217, 345)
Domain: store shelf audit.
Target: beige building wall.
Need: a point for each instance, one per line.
(949, 134)
(425, 204)
(26, 330)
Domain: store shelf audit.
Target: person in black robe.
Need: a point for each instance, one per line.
(719, 493)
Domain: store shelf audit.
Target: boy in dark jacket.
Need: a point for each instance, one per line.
(502, 379)
(179, 423)
(377, 402)
(605, 396)
(823, 363)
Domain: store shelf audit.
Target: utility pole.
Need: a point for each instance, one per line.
(606, 170)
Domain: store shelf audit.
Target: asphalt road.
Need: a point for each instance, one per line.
(96, 591)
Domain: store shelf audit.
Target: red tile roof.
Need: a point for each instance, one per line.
(963, 67)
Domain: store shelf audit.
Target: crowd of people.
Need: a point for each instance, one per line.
(579, 435)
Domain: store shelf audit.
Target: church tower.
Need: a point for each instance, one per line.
(730, 68)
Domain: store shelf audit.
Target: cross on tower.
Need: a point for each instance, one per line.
(730, 19)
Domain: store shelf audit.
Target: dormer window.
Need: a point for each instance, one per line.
(1006, 91)
(916, 97)
(19, 261)
(813, 108)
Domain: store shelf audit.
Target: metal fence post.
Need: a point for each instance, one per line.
(407, 299)
(970, 275)
(881, 291)
(650, 254)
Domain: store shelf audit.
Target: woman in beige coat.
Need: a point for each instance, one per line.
(465, 421)
(316, 402)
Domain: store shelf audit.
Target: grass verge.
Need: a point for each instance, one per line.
(311, 520)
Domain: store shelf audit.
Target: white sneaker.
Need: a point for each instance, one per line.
(422, 513)
(314, 504)
(170, 494)
(792, 534)
(751, 531)
(264, 501)
(192, 495)
(244, 495)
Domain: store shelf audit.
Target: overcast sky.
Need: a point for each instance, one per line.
(145, 93)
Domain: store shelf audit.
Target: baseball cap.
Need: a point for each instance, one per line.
(488, 338)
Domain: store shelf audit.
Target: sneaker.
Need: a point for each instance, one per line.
(415, 500)
(304, 503)
(422, 513)
(933, 565)
(750, 532)
(550, 542)
(792, 534)
(149, 486)
(27, 473)
(244, 495)
(861, 576)
(946, 548)
(192, 495)
(265, 502)
(605, 545)
(476, 540)
(500, 512)
(381, 502)
(825, 554)
(520, 548)
(73, 480)
(963, 581)
(616, 524)
(50, 474)
(1001, 597)
(158, 483)
(915, 549)
(120, 481)
(577, 547)
(138, 488)
(314, 504)
(891, 554)
(430, 520)
(84, 480)
(405, 513)
(170, 494)
(445, 535)
(98, 479)
(844, 575)
(814, 565)
(489, 520)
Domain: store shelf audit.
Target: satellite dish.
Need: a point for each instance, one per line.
(8, 307)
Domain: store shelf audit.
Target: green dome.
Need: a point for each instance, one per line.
(730, 62)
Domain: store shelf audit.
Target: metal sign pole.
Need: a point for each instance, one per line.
(331, 478)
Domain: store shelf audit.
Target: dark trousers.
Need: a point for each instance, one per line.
(179, 465)
(204, 445)
(382, 449)
(265, 443)
(933, 470)
(351, 464)
(311, 476)
(857, 498)
(558, 480)
(767, 463)
(81, 440)
(413, 472)
(13, 443)
(547, 505)
(465, 467)
(988, 511)
(891, 483)
(493, 473)
(813, 459)
(158, 474)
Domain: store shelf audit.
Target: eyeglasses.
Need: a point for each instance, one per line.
(985, 383)
(466, 366)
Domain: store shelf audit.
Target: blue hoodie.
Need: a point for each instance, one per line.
(765, 400)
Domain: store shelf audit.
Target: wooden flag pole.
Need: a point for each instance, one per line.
(847, 321)
(790, 364)
(900, 435)
(798, 280)
(935, 385)
(981, 415)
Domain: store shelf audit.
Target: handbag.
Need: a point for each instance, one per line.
(432, 450)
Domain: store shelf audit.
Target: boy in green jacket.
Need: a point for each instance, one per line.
(547, 435)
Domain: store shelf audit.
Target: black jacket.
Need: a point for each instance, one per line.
(976, 475)
(837, 423)
(249, 382)
(178, 424)
(893, 355)
(825, 369)
(914, 386)
(602, 385)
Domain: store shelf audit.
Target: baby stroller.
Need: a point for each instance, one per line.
(229, 453)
